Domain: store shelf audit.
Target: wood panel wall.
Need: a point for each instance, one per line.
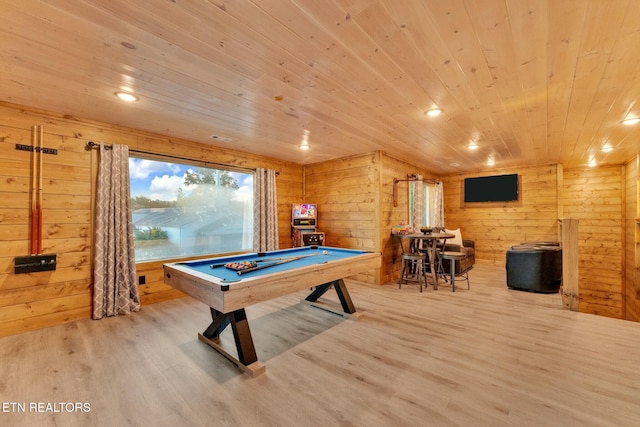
(632, 240)
(495, 227)
(36, 300)
(347, 195)
(355, 205)
(594, 196)
(391, 168)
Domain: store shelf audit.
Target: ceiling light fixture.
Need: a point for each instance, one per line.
(490, 161)
(221, 138)
(434, 112)
(631, 120)
(606, 148)
(304, 144)
(592, 162)
(472, 145)
(127, 97)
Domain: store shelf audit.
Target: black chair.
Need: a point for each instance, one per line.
(535, 267)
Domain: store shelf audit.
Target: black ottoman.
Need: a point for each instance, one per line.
(535, 268)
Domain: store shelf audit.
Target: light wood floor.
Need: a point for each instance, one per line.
(483, 357)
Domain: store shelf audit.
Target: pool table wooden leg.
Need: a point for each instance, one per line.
(220, 322)
(247, 358)
(348, 309)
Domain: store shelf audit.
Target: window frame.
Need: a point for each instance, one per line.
(193, 164)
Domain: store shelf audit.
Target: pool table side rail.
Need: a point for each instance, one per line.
(258, 289)
(195, 286)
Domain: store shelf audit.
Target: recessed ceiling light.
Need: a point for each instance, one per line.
(221, 138)
(304, 143)
(434, 112)
(631, 120)
(127, 97)
(490, 161)
(454, 164)
(472, 145)
(606, 148)
(592, 162)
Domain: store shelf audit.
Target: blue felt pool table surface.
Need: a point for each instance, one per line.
(313, 254)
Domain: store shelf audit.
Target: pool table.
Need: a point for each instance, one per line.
(276, 273)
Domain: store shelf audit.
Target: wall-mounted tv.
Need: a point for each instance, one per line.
(496, 188)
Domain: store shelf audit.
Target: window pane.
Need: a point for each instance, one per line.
(412, 204)
(428, 204)
(180, 210)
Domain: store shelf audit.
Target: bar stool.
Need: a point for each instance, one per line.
(452, 257)
(439, 252)
(413, 266)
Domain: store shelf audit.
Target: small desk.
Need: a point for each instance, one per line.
(430, 241)
(227, 293)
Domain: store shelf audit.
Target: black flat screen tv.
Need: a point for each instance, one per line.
(496, 188)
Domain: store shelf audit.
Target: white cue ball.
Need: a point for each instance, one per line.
(325, 252)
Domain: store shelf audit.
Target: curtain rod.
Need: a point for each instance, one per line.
(412, 177)
(91, 145)
(427, 180)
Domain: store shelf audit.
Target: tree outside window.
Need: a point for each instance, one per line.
(182, 210)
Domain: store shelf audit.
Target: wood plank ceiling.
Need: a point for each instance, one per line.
(529, 81)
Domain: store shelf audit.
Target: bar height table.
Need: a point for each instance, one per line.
(429, 243)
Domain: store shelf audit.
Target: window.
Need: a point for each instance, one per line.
(184, 210)
(426, 202)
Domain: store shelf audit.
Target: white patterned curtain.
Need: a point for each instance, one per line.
(114, 279)
(417, 190)
(438, 207)
(265, 208)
